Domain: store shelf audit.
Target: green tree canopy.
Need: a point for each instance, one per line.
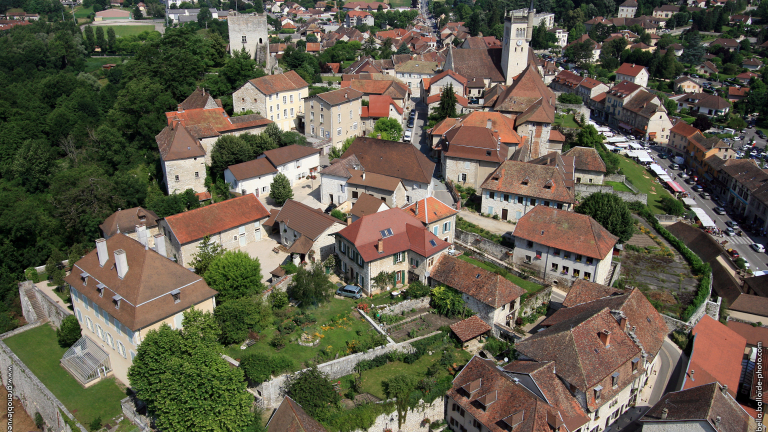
(311, 286)
(234, 275)
(313, 391)
(389, 128)
(207, 252)
(68, 332)
(237, 317)
(280, 189)
(611, 212)
(399, 387)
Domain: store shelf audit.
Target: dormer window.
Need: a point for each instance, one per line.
(514, 419)
(635, 364)
(487, 399)
(116, 301)
(525, 181)
(100, 288)
(548, 185)
(176, 295)
(598, 391)
(472, 387)
(84, 277)
(615, 379)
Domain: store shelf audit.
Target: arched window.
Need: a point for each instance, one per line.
(260, 41)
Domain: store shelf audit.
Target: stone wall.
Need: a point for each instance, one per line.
(577, 109)
(414, 418)
(271, 393)
(586, 190)
(484, 245)
(131, 406)
(621, 179)
(406, 306)
(536, 300)
(52, 311)
(667, 218)
(454, 193)
(33, 395)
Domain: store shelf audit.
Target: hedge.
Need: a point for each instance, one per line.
(699, 267)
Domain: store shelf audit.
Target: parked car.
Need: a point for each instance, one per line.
(330, 208)
(690, 181)
(729, 231)
(407, 136)
(697, 188)
(352, 291)
(731, 224)
(719, 210)
(662, 156)
(734, 253)
(682, 175)
(757, 247)
(704, 195)
(674, 166)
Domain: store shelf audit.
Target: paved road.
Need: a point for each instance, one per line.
(758, 261)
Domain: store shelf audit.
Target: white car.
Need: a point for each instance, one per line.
(407, 136)
(757, 247)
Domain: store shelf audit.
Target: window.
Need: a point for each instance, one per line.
(506, 198)
(89, 323)
(197, 174)
(100, 332)
(590, 260)
(565, 270)
(491, 195)
(446, 227)
(635, 363)
(556, 252)
(312, 105)
(322, 118)
(528, 259)
(466, 165)
(598, 391)
(177, 178)
(520, 200)
(615, 379)
(587, 275)
(338, 131)
(291, 98)
(285, 99)
(350, 114)
(121, 349)
(322, 130)
(399, 257)
(244, 39)
(567, 255)
(354, 194)
(576, 272)
(343, 267)
(529, 244)
(285, 113)
(291, 112)
(554, 267)
(463, 177)
(578, 258)
(79, 316)
(270, 108)
(339, 117)
(533, 201)
(477, 424)
(354, 126)
(110, 341)
(313, 129)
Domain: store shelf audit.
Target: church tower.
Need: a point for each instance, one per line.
(518, 30)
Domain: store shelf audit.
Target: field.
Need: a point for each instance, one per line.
(566, 121)
(40, 351)
(95, 63)
(645, 182)
(618, 186)
(129, 30)
(337, 323)
(83, 12)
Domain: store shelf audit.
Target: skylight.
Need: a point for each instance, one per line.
(386, 233)
(433, 243)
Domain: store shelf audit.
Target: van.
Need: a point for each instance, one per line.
(674, 166)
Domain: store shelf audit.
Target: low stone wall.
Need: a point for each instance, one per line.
(414, 418)
(586, 190)
(484, 245)
(406, 306)
(131, 407)
(667, 218)
(269, 394)
(278, 285)
(578, 109)
(536, 300)
(454, 193)
(34, 396)
(621, 179)
(52, 311)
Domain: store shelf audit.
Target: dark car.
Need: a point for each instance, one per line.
(352, 291)
(662, 156)
(697, 188)
(719, 210)
(761, 134)
(330, 208)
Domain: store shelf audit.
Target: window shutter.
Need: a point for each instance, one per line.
(394, 259)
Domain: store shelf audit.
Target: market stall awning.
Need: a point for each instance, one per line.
(689, 202)
(625, 126)
(706, 221)
(675, 187)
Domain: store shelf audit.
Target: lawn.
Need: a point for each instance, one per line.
(530, 287)
(618, 186)
(129, 30)
(333, 341)
(40, 351)
(95, 63)
(645, 182)
(331, 78)
(83, 12)
(566, 121)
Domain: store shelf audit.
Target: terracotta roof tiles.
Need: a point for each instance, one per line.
(725, 367)
(307, 221)
(470, 328)
(272, 84)
(586, 159)
(125, 221)
(391, 158)
(215, 218)
(283, 155)
(485, 286)
(531, 180)
(251, 169)
(430, 210)
(566, 230)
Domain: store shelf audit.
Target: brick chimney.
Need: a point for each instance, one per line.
(380, 246)
(623, 323)
(349, 220)
(101, 251)
(417, 208)
(605, 337)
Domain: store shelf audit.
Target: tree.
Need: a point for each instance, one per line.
(100, 38)
(203, 16)
(234, 275)
(207, 252)
(737, 123)
(137, 15)
(280, 189)
(229, 150)
(313, 391)
(403, 49)
(569, 98)
(336, 152)
(260, 367)
(447, 301)
(580, 53)
(694, 52)
(589, 137)
(447, 106)
(399, 387)
(672, 206)
(611, 212)
(258, 6)
(174, 367)
(702, 123)
(68, 332)
(111, 39)
(389, 129)
(90, 39)
(237, 317)
(311, 286)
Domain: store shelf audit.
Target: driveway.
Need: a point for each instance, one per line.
(440, 191)
(492, 225)
(307, 192)
(262, 250)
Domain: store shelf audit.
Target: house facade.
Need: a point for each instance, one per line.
(439, 218)
(379, 106)
(137, 223)
(233, 224)
(573, 246)
(628, 9)
(633, 73)
(334, 115)
(307, 232)
(390, 241)
(413, 72)
(279, 98)
(294, 161)
(117, 300)
(252, 177)
(687, 85)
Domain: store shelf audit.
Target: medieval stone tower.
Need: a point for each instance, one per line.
(518, 30)
(250, 31)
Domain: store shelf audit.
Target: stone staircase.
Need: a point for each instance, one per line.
(609, 276)
(30, 294)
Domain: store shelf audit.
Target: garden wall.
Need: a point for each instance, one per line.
(47, 309)
(406, 306)
(414, 418)
(621, 179)
(578, 109)
(482, 244)
(279, 285)
(667, 218)
(129, 406)
(586, 190)
(25, 386)
(536, 300)
(454, 193)
(271, 393)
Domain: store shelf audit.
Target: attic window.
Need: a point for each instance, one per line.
(477, 276)
(176, 294)
(525, 181)
(487, 152)
(116, 301)
(598, 390)
(487, 399)
(433, 243)
(548, 185)
(635, 363)
(473, 386)
(386, 233)
(514, 419)
(84, 277)
(100, 288)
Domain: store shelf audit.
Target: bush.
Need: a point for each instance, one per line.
(95, 424)
(496, 346)
(69, 332)
(278, 299)
(672, 206)
(569, 98)
(338, 214)
(39, 422)
(417, 289)
(278, 342)
(237, 317)
(260, 367)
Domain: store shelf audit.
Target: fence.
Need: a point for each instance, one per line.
(23, 385)
(586, 190)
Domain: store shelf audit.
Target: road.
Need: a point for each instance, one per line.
(758, 261)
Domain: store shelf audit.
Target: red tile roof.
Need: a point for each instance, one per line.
(283, 155)
(470, 328)
(583, 291)
(474, 143)
(556, 135)
(499, 122)
(430, 210)
(531, 180)
(435, 98)
(629, 69)
(378, 106)
(408, 233)
(391, 158)
(684, 129)
(713, 337)
(484, 286)
(251, 169)
(738, 92)
(702, 404)
(450, 73)
(566, 230)
(586, 158)
(272, 84)
(753, 335)
(215, 218)
(291, 417)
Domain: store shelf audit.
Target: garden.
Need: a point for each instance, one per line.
(39, 349)
(645, 182)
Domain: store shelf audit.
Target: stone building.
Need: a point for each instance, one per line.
(588, 166)
(439, 218)
(413, 72)
(633, 73)
(628, 9)
(122, 290)
(307, 233)
(562, 246)
(294, 161)
(495, 299)
(389, 241)
(334, 115)
(379, 106)
(279, 98)
(436, 84)
(250, 32)
(252, 177)
(233, 224)
(136, 223)
(518, 31)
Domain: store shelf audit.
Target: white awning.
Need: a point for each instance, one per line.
(689, 202)
(706, 221)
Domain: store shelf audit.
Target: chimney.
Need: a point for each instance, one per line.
(101, 251)
(605, 337)
(725, 390)
(489, 124)
(121, 262)
(718, 419)
(363, 175)
(417, 208)
(378, 136)
(623, 323)
(349, 220)
(664, 413)
(380, 246)
(160, 244)
(141, 232)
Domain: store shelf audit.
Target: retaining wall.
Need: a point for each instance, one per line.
(413, 418)
(482, 244)
(52, 311)
(406, 306)
(586, 190)
(271, 393)
(33, 395)
(667, 218)
(538, 299)
(130, 407)
(621, 179)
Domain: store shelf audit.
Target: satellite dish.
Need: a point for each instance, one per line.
(506, 359)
